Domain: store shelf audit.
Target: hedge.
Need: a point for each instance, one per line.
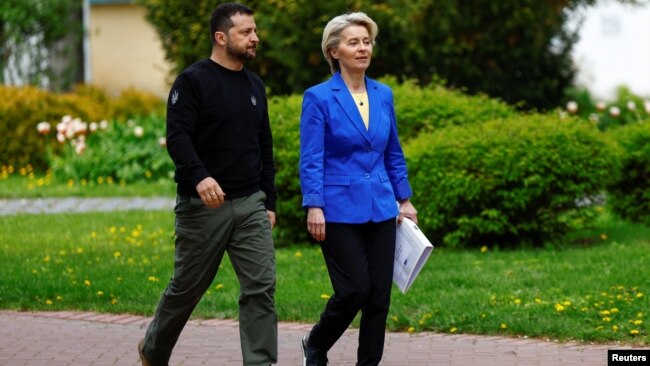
(629, 195)
(508, 182)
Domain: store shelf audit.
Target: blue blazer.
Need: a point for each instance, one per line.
(355, 175)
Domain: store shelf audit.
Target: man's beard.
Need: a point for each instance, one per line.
(240, 54)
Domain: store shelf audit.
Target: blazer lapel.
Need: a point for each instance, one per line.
(343, 96)
(374, 98)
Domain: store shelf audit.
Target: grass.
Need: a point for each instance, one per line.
(26, 184)
(593, 289)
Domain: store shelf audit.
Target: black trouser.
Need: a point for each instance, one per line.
(359, 259)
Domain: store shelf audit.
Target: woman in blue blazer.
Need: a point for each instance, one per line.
(355, 189)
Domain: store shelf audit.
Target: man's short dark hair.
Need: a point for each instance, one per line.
(220, 19)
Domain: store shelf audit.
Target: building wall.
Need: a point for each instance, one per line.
(125, 51)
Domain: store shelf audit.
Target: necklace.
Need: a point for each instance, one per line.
(359, 98)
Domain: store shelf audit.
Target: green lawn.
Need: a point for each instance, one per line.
(593, 288)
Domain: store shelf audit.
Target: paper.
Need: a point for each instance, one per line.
(412, 249)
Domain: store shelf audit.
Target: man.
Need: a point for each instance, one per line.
(219, 137)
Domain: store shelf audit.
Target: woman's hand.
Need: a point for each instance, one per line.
(406, 209)
(316, 223)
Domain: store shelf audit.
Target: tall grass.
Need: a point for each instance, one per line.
(594, 288)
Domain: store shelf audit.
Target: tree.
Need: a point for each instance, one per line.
(515, 50)
(34, 35)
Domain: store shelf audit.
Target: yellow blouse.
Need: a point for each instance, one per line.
(361, 100)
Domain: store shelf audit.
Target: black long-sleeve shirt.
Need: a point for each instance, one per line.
(218, 126)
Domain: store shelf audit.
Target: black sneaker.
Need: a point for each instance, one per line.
(312, 356)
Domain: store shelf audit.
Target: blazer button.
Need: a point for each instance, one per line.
(367, 175)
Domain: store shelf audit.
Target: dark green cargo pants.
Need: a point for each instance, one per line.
(242, 228)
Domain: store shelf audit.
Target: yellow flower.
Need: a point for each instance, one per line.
(100, 293)
(484, 249)
(48, 302)
(634, 332)
(615, 328)
(117, 254)
(46, 259)
(114, 301)
(59, 298)
(639, 295)
(411, 330)
(153, 279)
(638, 322)
(298, 254)
(603, 236)
(517, 301)
(87, 283)
(538, 300)
(605, 312)
(503, 326)
(607, 319)
(324, 296)
(219, 286)
(567, 303)
(614, 310)
(453, 330)
(559, 307)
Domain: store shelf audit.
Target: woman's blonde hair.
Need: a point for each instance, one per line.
(333, 29)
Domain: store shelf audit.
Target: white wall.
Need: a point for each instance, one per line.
(614, 49)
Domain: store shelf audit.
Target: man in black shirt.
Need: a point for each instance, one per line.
(219, 137)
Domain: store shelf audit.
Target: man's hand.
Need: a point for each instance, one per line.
(271, 218)
(210, 192)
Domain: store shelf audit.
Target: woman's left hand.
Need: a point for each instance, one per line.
(406, 209)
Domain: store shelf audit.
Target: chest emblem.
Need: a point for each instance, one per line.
(253, 100)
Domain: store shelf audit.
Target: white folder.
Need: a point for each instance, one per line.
(412, 249)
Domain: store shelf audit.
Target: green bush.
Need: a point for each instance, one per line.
(629, 196)
(507, 182)
(22, 108)
(432, 107)
(122, 151)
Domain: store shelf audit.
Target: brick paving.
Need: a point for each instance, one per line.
(85, 338)
(88, 339)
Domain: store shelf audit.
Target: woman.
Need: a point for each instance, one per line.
(352, 172)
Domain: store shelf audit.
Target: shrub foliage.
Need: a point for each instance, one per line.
(507, 182)
(629, 195)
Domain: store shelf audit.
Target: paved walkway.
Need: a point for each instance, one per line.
(71, 338)
(74, 338)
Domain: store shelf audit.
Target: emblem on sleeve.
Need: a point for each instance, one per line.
(253, 100)
(174, 97)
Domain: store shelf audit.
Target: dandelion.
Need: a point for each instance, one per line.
(615, 328)
(634, 332)
(324, 296)
(114, 301)
(48, 302)
(117, 255)
(484, 249)
(503, 326)
(219, 286)
(637, 322)
(605, 312)
(538, 300)
(639, 295)
(453, 330)
(517, 301)
(153, 279)
(614, 310)
(298, 254)
(607, 319)
(559, 307)
(411, 330)
(603, 237)
(567, 303)
(100, 293)
(86, 283)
